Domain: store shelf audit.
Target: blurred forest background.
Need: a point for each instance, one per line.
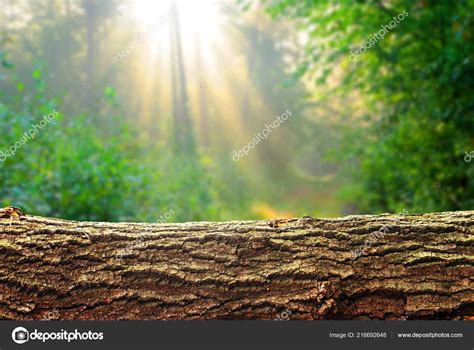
(154, 97)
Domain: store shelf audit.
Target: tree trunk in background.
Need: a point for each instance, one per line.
(69, 38)
(90, 14)
(203, 107)
(356, 267)
(183, 128)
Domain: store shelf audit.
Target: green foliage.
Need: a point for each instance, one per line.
(398, 119)
(415, 86)
(72, 169)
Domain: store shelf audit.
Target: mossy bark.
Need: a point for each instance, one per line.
(356, 267)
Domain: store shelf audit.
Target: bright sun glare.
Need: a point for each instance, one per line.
(195, 17)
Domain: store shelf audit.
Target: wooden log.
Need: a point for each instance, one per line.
(417, 266)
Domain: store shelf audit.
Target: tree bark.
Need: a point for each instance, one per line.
(356, 267)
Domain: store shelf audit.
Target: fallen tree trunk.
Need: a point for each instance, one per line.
(356, 267)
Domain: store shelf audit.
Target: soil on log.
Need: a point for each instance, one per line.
(417, 266)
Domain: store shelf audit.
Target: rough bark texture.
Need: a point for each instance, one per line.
(409, 267)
